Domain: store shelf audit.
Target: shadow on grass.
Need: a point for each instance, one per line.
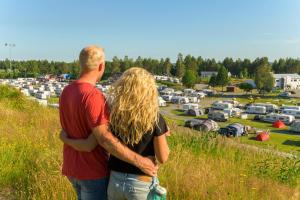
(292, 143)
(285, 131)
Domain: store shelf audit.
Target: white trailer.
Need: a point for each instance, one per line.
(269, 107)
(219, 105)
(295, 113)
(256, 110)
(161, 102)
(273, 117)
(189, 106)
(290, 107)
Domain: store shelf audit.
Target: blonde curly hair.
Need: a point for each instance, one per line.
(133, 100)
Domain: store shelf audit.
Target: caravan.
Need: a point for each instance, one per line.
(295, 113)
(270, 108)
(218, 116)
(256, 110)
(219, 105)
(189, 106)
(273, 117)
(290, 108)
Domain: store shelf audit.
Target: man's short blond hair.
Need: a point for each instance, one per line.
(91, 57)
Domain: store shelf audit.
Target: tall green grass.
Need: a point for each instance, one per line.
(201, 166)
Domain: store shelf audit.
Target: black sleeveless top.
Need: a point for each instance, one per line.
(145, 148)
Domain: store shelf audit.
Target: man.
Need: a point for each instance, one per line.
(83, 111)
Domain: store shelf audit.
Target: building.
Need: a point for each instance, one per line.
(287, 81)
(207, 74)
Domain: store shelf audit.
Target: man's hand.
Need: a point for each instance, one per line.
(148, 165)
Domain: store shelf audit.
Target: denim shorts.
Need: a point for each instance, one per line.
(123, 186)
(90, 189)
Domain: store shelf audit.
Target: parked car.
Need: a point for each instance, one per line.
(285, 94)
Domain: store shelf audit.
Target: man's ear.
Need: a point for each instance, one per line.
(100, 67)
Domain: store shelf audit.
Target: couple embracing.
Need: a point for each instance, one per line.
(112, 146)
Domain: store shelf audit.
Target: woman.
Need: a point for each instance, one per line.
(135, 120)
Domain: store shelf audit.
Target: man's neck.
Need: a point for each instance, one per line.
(88, 78)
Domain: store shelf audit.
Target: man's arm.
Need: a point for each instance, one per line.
(114, 146)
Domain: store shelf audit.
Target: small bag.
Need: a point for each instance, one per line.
(157, 192)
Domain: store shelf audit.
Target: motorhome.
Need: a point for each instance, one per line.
(219, 105)
(256, 110)
(295, 113)
(218, 116)
(270, 108)
(188, 106)
(273, 117)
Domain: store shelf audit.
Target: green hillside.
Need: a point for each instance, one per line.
(201, 166)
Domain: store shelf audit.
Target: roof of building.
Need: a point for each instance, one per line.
(285, 75)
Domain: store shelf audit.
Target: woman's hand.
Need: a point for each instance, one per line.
(63, 136)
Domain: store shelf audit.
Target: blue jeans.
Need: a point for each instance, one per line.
(123, 186)
(90, 189)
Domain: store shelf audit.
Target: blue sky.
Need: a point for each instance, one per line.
(58, 29)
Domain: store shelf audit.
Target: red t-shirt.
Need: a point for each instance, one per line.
(82, 107)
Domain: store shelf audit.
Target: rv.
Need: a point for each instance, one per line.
(190, 106)
(295, 113)
(270, 108)
(218, 116)
(256, 110)
(219, 105)
(236, 112)
(273, 117)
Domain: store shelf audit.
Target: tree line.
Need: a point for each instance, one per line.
(184, 64)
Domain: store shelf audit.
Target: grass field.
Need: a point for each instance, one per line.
(280, 139)
(201, 166)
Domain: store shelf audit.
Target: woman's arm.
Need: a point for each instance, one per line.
(161, 147)
(86, 145)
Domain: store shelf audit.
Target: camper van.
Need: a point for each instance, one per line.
(218, 116)
(290, 108)
(219, 105)
(270, 108)
(233, 112)
(256, 110)
(188, 106)
(273, 117)
(295, 113)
